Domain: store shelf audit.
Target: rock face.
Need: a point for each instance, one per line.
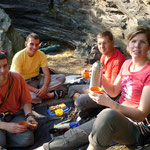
(5, 23)
(76, 23)
(10, 40)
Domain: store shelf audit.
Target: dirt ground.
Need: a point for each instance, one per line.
(67, 63)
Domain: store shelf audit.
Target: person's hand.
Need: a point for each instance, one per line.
(101, 99)
(86, 74)
(42, 92)
(15, 127)
(85, 70)
(35, 90)
(39, 92)
(32, 123)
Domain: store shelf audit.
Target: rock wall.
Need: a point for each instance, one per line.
(10, 40)
(5, 22)
(76, 23)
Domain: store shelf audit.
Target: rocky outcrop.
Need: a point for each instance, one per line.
(5, 22)
(10, 40)
(76, 23)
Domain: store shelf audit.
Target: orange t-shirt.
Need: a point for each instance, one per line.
(19, 94)
(113, 65)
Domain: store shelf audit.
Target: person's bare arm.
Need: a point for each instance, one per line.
(33, 89)
(12, 127)
(112, 89)
(133, 113)
(27, 107)
(43, 90)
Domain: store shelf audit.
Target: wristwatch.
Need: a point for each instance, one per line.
(29, 114)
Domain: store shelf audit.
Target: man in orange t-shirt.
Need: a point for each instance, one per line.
(111, 61)
(15, 106)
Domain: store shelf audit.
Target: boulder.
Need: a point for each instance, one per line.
(10, 40)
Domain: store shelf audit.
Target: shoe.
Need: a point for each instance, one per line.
(58, 94)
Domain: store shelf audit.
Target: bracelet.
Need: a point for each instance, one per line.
(29, 114)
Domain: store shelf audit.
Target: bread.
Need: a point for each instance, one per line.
(60, 106)
(32, 124)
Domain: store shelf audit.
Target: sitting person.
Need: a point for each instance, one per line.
(111, 60)
(28, 62)
(15, 106)
(120, 121)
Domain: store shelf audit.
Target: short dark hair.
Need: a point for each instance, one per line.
(32, 35)
(104, 34)
(3, 56)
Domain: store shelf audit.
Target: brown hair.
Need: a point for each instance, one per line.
(32, 35)
(104, 34)
(139, 29)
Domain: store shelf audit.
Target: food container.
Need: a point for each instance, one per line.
(54, 114)
(86, 74)
(24, 123)
(95, 90)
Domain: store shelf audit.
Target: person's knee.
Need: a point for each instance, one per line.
(84, 102)
(71, 88)
(79, 102)
(107, 114)
(106, 117)
(62, 78)
(71, 91)
(103, 128)
(26, 140)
